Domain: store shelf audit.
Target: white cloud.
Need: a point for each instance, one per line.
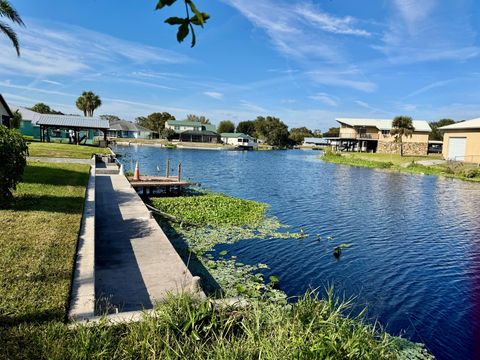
(253, 107)
(347, 78)
(428, 87)
(214, 94)
(325, 99)
(60, 49)
(9, 84)
(332, 24)
(428, 30)
(367, 106)
(299, 31)
(414, 12)
(51, 82)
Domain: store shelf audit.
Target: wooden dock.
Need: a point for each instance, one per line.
(168, 183)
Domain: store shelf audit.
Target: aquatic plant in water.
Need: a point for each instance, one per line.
(206, 219)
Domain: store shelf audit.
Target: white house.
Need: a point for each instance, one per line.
(239, 140)
(126, 129)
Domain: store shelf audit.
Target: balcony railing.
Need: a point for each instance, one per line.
(354, 135)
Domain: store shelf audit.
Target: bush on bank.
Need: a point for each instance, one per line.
(13, 152)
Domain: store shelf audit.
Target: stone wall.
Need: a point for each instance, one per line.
(414, 149)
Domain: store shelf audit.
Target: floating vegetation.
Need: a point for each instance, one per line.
(207, 219)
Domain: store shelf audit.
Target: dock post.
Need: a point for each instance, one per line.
(179, 170)
(168, 168)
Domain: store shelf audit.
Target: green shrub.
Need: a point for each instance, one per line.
(471, 173)
(385, 165)
(13, 152)
(453, 168)
(328, 151)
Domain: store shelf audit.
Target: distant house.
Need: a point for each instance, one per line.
(373, 135)
(5, 113)
(193, 131)
(313, 141)
(60, 128)
(28, 125)
(461, 141)
(239, 140)
(127, 129)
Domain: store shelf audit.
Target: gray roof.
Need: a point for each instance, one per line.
(27, 114)
(236, 135)
(123, 125)
(73, 121)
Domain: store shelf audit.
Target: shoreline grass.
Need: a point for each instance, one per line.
(183, 327)
(406, 164)
(58, 150)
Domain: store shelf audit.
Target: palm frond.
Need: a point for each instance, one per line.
(7, 30)
(8, 11)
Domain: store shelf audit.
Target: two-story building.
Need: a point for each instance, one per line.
(193, 131)
(374, 135)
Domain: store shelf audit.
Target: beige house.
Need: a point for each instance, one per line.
(373, 135)
(461, 141)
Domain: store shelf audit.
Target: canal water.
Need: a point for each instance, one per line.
(414, 260)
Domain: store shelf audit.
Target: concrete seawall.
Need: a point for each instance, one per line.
(82, 296)
(124, 260)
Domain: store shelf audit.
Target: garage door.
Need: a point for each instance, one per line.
(456, 148)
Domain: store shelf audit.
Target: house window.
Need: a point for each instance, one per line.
(386, 132)
(177, 127)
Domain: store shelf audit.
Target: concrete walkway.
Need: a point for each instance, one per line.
(60, 160)
(431, 162)
(135, 263)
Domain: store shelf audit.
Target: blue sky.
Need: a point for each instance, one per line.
(306, 62)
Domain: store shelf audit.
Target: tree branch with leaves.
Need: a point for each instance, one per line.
(185, 24)
(8, 11)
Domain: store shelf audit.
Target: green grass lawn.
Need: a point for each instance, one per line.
(406, 164)
(393, 158)
(37, 242)
(40, 149)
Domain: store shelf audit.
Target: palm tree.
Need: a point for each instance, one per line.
(7, 10)
(402, 126)
(88, 102)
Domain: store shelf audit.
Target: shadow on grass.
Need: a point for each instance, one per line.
(36, 317)
(52, 175)
(62, 204)
(209, 285)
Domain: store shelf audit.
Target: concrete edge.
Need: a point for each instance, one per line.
(135, 316)
(82, 294)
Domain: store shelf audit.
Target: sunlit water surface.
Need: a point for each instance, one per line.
(415, 255)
